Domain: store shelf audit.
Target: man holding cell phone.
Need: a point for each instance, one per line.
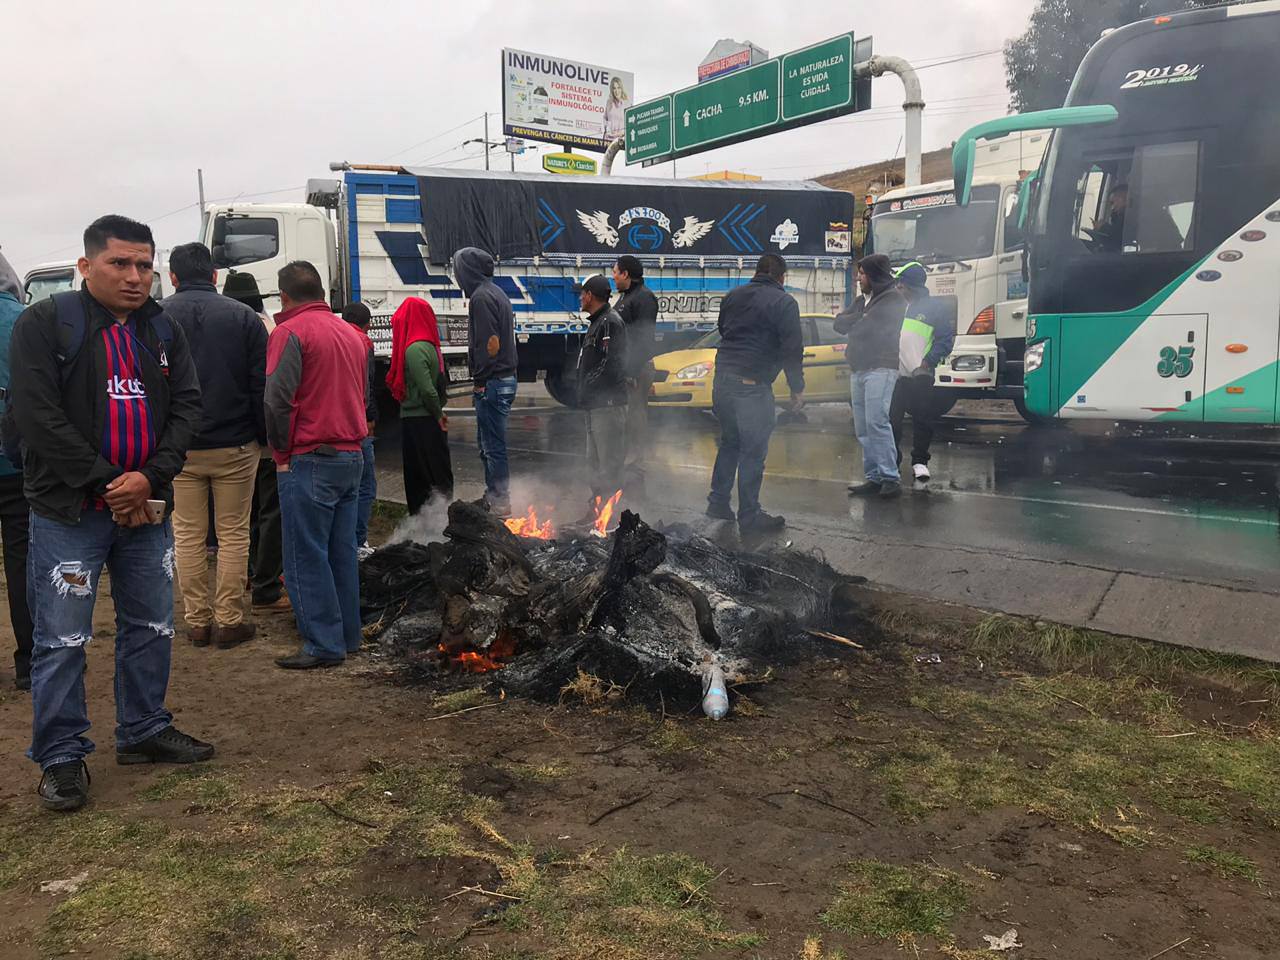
(106, 399)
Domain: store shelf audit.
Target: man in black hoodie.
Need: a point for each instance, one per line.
(229, 347)
(874, 325)
(491, 339)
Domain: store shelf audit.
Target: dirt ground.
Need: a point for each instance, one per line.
(865, 805)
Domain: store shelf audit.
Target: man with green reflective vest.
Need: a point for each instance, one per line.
(928, 334)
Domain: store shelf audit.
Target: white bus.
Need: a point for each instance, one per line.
(1155, 237)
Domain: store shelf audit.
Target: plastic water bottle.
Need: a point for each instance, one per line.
(715, 695)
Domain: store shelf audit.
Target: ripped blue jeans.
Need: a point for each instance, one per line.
(64, 566)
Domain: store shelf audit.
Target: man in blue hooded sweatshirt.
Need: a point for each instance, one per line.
(13, 505)
(491, 340)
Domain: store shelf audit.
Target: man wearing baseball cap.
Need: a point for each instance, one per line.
(602, 387)
(928, 334)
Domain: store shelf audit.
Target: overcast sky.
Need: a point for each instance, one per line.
(111, 107)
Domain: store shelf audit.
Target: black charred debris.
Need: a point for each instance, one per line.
(646, 609)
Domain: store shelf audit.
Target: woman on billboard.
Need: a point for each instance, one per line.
(615, 111)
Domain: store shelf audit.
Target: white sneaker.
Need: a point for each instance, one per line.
(364, 551)
(920, 472)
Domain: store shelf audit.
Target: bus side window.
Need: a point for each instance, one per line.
(1140, 200)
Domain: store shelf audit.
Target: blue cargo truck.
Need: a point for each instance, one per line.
(381, 236)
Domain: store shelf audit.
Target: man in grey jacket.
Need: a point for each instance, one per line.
(491, 339)
(874, 325)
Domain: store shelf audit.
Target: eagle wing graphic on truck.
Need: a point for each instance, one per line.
(597, 225)
(693, 230)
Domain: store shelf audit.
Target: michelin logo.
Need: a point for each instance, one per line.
(785, 234)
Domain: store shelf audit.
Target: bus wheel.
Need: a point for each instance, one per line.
(1033, 419)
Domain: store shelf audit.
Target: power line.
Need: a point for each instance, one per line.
(445, 133)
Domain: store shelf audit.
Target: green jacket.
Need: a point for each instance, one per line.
(421, 367)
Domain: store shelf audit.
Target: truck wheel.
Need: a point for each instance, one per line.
(1033, 419)
(563, 388)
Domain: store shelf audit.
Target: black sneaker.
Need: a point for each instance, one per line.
(64, 786)
(890, 489)
(720, 512)
(866, 488)
(170, 745)
(763, 523)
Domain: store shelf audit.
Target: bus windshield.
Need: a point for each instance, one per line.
(932, 229)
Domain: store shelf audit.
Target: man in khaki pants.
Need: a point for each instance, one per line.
(229, 346)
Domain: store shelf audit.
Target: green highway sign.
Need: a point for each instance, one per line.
(818, 78)
(736, 103)
(649, 130)
(805, 86)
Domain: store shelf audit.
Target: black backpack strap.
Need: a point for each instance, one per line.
(72, 322)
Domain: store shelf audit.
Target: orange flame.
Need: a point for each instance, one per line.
(604, 513)
(474, 661)
(527, 526)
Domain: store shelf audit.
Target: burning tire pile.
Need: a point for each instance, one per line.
(647, 609)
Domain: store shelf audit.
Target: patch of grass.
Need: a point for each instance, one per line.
(1051, 745)
(390, 510)
(592, 690)
(1060, 647)
(1226, 862)
(208, 791)
(673, 739)
(460, 700)
(887, 901)
(621, 906)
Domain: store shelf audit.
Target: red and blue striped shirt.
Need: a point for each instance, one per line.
(128, 431)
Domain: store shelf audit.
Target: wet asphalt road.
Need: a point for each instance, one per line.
(1091, 495)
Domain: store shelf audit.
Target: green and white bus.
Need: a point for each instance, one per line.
(1154, 224)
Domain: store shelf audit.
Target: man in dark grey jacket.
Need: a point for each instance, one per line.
(874, 325)
(491, 339)
(602, 388)
(760, 336)
(229, 348)
(638, 309)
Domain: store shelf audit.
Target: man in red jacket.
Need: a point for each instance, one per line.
(316, 390)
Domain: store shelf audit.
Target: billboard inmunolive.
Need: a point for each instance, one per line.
(563, 101)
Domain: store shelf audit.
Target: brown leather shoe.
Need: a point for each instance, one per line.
(199, 636)
(281, 603)
(229, 637)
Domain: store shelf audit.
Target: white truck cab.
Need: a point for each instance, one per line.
(974, 255)
(261, 238)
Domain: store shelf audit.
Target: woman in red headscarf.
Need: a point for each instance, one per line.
(417, 381)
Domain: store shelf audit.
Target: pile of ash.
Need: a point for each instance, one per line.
(647, 609)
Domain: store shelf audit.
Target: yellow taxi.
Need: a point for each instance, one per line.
(683, 378)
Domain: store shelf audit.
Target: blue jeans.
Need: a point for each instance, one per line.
(64, 566)
(746, 414)
(319, 498)
(368, 491)
(492, 407)
(872, 394)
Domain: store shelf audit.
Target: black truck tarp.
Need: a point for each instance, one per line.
(520, 215)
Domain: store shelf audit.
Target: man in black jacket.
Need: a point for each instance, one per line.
(105, 418)
(602, 388)
(760, 336)
(491, 339)
(638, 308)
(229, 345)
(874, 325)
